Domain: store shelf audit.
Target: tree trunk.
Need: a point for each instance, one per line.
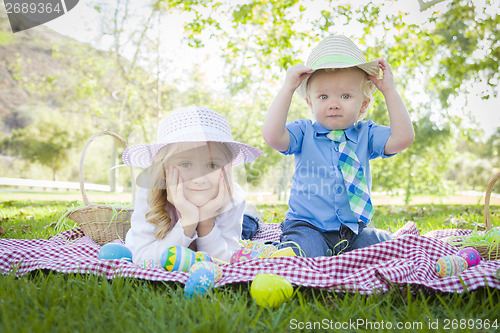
(113, 177)
(409, 183)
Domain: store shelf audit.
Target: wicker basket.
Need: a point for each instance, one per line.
(489, 251)
(102, 223)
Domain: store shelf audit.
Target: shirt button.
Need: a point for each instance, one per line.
(336, 149)
(339, 189)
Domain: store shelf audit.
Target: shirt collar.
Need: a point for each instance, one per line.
(351, 133)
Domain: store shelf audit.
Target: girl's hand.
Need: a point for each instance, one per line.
(175, 195)
(295, 75)
(214, 207)
(386, 83)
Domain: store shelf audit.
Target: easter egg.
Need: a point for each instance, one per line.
(199, 283)
(177, 258)
(268, 251)
(265, 249)
(212, 267)
(493, 235)
(245, 254)
(470, 255)
(115, 251)
(284, 252)
(450, 265)
(269, 290)
(149, 263)
(203, 256)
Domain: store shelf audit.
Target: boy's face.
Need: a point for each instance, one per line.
(199, 167)
(336, 98)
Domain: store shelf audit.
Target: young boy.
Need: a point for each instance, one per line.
(330, 206)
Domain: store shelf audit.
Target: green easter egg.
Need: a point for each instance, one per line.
(493, 235)
(270, 290)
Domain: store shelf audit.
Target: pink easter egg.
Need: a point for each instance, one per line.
(245, 254)
(470, 255)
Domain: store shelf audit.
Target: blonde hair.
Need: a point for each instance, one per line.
(157, 194)
(367, 86)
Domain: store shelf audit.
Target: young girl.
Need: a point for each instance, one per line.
(186, 195)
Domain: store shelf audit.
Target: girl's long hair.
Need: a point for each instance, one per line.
(157, 195)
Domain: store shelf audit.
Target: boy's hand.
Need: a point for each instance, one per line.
(295, 75)
(386, 83)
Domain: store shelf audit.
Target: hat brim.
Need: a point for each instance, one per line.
(142, 155)
(370, 68)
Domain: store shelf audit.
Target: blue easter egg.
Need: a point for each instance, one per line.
(211, 266)
(199, 283)
(115, 251)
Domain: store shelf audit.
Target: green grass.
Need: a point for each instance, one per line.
(45, 301)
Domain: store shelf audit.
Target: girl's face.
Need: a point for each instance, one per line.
(199, 165)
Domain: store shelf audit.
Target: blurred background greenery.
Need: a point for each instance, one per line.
(56, 91)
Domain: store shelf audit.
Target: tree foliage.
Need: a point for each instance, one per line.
(48, 141)
(435, 57)
(443, 55)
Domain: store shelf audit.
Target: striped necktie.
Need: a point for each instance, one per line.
(354, 179)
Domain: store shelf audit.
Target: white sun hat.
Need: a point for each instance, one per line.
(192, 124)
(337, 52)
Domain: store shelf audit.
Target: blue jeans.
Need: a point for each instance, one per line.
(250, 226)
(314, 243)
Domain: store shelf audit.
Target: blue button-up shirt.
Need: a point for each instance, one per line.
(318, 194)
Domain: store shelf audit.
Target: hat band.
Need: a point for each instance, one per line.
(335, 58)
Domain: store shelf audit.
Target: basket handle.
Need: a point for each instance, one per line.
(489, 188)
(82, 158)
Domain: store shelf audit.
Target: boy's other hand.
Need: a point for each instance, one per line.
(386, 83)
(295, 75)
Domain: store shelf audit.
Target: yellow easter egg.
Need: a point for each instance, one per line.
(450, 265)
(284, 252)
(270, 290)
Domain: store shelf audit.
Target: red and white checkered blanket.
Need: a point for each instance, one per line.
(406, 260)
